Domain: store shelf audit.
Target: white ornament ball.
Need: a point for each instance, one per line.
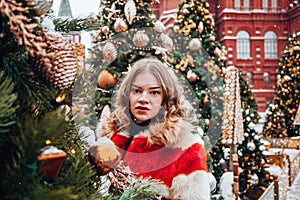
(256, 137)
(254, 179)
(262, 148)
(200, 27)
(251, 146)
(251, 125)
(166, 42)
(105, 30)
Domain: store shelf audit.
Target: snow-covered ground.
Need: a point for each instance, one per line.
(293, 193)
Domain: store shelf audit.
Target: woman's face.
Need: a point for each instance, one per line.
(146, 96)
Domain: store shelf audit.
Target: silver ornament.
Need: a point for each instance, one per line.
(105, 30)
(109, 52)
(130, 11)
(166, 41)
(195, 44)
(200, 27)
(262, 148)
(140, 39)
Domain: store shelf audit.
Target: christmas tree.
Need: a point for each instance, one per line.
(127, 32)
(200, 58)
(43, 153)
(281, 113)
(253, 175)
(204, 59)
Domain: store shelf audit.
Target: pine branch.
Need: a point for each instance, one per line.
(142, 189)
(79, 24)
(33, 94)
(7, 107)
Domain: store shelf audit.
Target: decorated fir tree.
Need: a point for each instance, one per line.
(127, 32)
(199, 58)
(275, 125)
(281, 113)
(43, 154)
(253, 175)
(203, 62)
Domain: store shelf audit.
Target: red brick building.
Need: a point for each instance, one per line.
(254, 34)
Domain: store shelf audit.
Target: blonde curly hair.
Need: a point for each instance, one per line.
(172, 109)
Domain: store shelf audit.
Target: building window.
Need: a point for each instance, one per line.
(266, 79)
(274, 5)
(237, 4)
(265, 5)
(246, 5)
(243, 45)
(270, 45)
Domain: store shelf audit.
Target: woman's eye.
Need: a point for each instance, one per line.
(136, 90)
(155, 92)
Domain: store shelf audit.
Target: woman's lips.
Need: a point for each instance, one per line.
(142, 109)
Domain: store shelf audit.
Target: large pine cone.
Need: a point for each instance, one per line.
(121, 177)
(59, 67)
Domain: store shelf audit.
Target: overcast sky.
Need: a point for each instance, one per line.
(79, 7)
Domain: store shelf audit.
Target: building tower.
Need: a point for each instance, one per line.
(65, 9)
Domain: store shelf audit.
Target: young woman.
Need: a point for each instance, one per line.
(153, 132)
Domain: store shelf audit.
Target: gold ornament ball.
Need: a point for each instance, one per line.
(207, 122)
(120, 25)
(105, 78)
(105, 156)
(205, 100)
